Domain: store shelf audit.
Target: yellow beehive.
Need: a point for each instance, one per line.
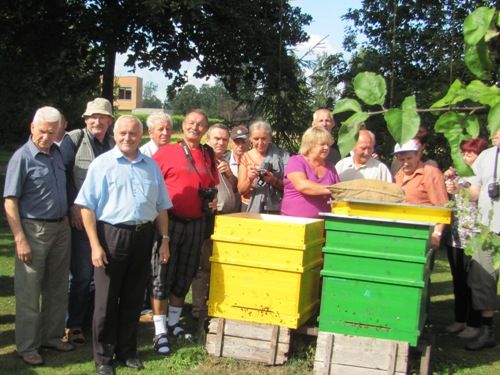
(265, 268)
(395, 211)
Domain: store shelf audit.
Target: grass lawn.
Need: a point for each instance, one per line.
(448, 354)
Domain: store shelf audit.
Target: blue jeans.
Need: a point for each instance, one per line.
(81, 285)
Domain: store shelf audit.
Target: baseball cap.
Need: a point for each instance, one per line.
(98, 106)
(411, 145)
(239, 132)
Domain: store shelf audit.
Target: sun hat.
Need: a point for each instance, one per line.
(411, 145)
(98, 106)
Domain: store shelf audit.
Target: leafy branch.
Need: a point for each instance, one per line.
(456, 123)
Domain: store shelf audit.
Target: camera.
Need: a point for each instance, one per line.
(262, 172)
(494, 190)
(207, 195)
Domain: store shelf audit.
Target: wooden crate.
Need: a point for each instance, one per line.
(355, 355)
(255, 342)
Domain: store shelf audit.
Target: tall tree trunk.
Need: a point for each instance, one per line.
(108, 76)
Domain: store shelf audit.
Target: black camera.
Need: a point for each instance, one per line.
(494, 190)
(207, 195)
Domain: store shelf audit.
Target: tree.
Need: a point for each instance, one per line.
(417, 46)
(187, 98)
(149, 98)
(44, 60)
(225, 40)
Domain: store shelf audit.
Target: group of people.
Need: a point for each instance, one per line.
(115, 219)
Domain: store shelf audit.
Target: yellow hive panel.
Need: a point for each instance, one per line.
(268, 230)
(263, 295)
(284, 259)
(393, 211)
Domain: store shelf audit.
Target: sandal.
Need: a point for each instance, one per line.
(178, 332)
(160, 344)
(76, 337)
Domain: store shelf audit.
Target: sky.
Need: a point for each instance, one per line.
(326, 23)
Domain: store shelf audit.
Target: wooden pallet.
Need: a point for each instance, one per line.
(255, 342)
(355, 355)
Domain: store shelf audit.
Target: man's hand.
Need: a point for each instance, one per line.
(23, 250)
(213, 204)
(223, 167)
(435, 241)
(164, 252)
(75, 217)
(99, 258)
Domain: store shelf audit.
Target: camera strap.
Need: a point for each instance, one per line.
(190, 159)
(496, 165)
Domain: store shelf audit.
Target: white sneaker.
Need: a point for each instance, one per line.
(469, 333)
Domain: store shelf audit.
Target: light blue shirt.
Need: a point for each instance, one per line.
(122, 191)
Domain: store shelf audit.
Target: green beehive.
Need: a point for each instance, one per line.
(375, 277)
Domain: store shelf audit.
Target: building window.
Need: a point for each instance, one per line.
(125, 93)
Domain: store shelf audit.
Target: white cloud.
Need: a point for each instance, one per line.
(316, 45)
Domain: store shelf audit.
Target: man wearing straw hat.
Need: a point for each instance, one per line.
(80, 149)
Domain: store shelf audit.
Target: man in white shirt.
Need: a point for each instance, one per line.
(160, 130)
(239, 145)
(360, 164)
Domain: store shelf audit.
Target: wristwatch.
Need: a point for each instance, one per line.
(165, 237)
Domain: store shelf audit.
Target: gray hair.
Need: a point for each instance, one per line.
(260, 125)
(128, 117)
(217, 126)
(47, 114)
(315, 114)
(156, 116)
(370, 134)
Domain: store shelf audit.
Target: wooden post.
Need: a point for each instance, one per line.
(219, 337)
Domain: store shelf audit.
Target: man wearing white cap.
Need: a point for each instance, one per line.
(80, 149)
(421, 182)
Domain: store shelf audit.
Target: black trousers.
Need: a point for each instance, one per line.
(464, 312)
(119, 290)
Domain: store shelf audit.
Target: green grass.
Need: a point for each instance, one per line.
(448, 354)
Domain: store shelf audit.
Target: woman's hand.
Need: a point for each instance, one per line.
(253, 172)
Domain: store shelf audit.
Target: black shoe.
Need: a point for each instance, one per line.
(134, 362)
(105, 369)
(486, 339)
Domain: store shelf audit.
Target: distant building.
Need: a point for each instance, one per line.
(129, 93)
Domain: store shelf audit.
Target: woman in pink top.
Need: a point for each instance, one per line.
(307, 176)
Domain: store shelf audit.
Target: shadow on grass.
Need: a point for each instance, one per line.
(6, 285)
(6, 319)
(10, 363)
(448, 352)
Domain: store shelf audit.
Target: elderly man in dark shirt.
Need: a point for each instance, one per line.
(323, 117)
(36, 209)
(79, 150)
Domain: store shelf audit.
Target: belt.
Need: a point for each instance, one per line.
(172, 216)
(57, 220)
(134, 227)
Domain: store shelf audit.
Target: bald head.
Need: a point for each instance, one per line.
(323, 117)
(364, 147)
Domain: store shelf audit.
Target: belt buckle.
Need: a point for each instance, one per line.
(141, 226)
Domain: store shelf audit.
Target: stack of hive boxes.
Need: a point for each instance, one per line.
(265, 269)
(377, 269)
